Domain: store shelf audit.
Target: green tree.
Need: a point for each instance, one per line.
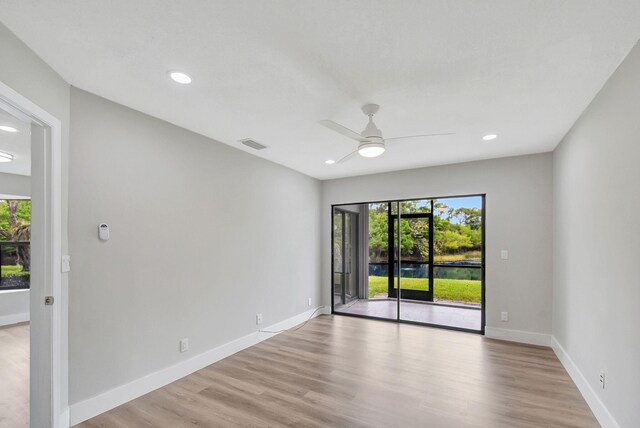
(467, 216)
(456, 231)
(378, 233)
(15, 225)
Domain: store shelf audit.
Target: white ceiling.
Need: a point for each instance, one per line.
(269, 70)
(18, 144)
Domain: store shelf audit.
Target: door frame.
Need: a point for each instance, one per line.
(392, 219)
(52, 241)
(343, 213)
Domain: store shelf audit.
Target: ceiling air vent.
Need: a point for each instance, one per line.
(253, 144)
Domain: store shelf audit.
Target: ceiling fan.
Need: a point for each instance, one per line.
(371, 142)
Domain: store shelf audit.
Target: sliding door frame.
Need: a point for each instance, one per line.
(344, 213)
(392, 244)
(390, 256)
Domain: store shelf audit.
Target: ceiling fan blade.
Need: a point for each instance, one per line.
(418, 136)
(342, 130)
(345, 158)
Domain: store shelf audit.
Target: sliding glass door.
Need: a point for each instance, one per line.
(419, 261)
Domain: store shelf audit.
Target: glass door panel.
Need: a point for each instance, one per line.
(346, 270)
(378, 243)
(338, 281)
(377, 299)
(416, 286)
(350, 256)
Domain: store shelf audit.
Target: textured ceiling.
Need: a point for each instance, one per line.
(270, 70)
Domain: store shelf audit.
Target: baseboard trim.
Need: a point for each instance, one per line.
(14, 319)
(83, 410)
(598, 408)
(519, 336)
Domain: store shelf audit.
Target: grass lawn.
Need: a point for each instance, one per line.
(13, 270)
(447, 289)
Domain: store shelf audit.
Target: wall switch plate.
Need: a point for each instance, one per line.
(309, 301)
(602, 379)
(258, 319)
(184, 345)
(504, 316)
(66, 264)
(504, 255)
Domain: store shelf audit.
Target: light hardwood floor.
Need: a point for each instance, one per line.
(341, 371)
(14, 376)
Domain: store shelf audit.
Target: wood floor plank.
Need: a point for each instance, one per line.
(349, 372)
(14, 376)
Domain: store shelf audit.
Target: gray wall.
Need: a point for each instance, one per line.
(596, 316)
(23, 71)
(15, 185)
(203, 237)
(518, 199)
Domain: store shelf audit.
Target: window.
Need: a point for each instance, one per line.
(15, 248)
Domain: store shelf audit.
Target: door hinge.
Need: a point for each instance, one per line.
(48, 300)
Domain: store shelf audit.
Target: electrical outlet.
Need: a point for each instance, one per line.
(504, 255)
(184, 345)
(258, 319)
(602, 379)
(504, 316)
(309, 301)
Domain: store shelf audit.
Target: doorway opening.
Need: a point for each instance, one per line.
(417, 261)
(15, 267)
(30, 167)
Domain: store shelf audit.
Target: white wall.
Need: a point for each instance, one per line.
(15, 185)
(203, 237)
(596, 316)
(518, 210)
(23, 71)
(14, 306)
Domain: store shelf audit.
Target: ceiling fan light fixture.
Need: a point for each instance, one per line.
(371, 150)
(6, 157)
(371, 131)
(372, 144)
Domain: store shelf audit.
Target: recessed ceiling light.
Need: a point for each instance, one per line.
(329, 161)
(489, 137)
(180, 77)
(5, 157)
(7, 128)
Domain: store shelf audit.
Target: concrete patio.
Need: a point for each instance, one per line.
(423, 312)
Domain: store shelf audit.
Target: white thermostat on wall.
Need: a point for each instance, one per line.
(103, 231)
